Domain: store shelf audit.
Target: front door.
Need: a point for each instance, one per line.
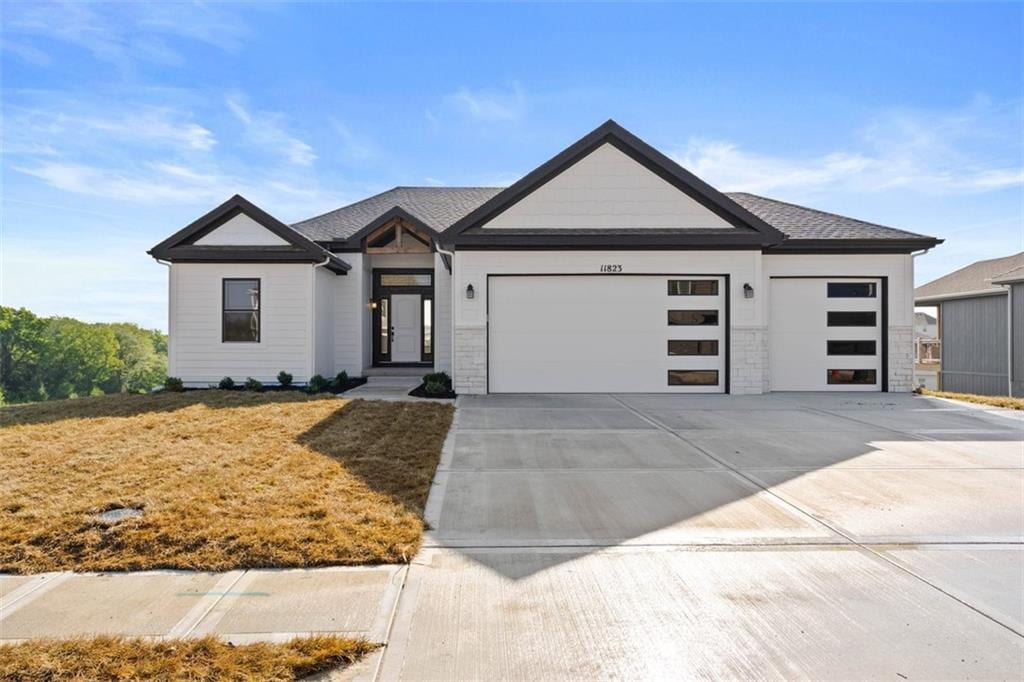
(406, 327)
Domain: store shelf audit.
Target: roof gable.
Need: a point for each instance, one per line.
(977, 279)
(726, 222)
(240, 230)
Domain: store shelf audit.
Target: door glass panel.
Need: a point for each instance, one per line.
(851, 318)
(693, 377)
(693, 287)
(686, 347)
(852, 376)
(692, 317)
(428, 336)
(851, 347)
(851, 289)
(385, 327)
(406, 280)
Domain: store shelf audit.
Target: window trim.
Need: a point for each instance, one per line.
(711, 370)
(692, 355)
(873, 342)
(224, 309)
(692, 280)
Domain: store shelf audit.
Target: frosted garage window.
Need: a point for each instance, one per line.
(851, 347)
(677, 347)
(851, 290)
(693, 287)
(851, 318)
(687, 318)
(852, 376)
(693, 377)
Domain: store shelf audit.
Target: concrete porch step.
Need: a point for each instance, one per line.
(407, 372)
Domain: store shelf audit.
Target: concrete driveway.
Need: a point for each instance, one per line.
(655, 537)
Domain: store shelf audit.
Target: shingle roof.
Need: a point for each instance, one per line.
(800, 222)
(440, 207)
(975, 278)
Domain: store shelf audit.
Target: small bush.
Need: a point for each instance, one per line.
(284, 378)
(253, 384)
(226, 384)
(438, 378)
(435, 388)
(317, 384)
(174, 385)
(341, 381)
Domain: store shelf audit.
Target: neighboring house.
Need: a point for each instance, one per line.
(981, 352)
(608, 268)
(925, 326)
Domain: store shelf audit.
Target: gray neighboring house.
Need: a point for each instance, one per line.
(981, 326)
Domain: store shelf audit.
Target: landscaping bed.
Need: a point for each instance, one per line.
(435, 385)
(136, 658)
(991, 400)
(222, 480)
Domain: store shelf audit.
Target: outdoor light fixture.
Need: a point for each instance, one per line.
(748, 291)
(372, 305)
(470, 294)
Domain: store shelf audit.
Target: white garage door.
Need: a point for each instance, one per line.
(617, 333)
(825, 334)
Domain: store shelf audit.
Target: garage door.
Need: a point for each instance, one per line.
(826, 334)
(617, 333)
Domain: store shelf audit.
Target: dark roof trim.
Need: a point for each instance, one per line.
(355, 242)
(612, 133)
(825, 246)
(181, 246)
(725, 239)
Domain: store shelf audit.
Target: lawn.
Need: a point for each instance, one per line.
(224, 480)
(991, 400)
(117, 658)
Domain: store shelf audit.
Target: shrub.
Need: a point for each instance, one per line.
(226, 384)
(284, 378)
(341, 381)
(317, 384)
(435, 388)
(253, 384)
(438, 378)
(174, 385)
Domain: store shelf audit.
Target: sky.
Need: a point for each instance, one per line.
(124, 122)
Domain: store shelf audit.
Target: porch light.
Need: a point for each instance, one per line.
(470, 293)
(372, 305)
(748, 291)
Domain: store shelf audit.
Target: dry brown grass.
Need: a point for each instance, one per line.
(992, 400)
(118, 658)
(226, 480)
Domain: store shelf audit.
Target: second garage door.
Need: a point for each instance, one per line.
(616, 333)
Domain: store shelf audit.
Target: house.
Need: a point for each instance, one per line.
(925, 326)
(607, 268)
(981, 326)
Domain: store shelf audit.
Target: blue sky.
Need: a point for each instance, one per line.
(122, 123)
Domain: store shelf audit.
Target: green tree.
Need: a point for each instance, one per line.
(143, 356)
(79, 359)
(21, 347)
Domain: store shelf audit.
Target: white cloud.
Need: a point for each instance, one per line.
(267, 130)
(966, 151)
(160, 183)
(489, 106)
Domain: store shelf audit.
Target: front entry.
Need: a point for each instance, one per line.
(403, 319)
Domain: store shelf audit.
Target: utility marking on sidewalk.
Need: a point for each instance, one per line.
(207, 602)
(213, 615)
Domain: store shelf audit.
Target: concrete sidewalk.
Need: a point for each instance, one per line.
(238, 606)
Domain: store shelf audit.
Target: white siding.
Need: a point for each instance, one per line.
(323, 321)
(607, 189)
(442, 317)
(241, 231)
(351, 316)
(199, 356)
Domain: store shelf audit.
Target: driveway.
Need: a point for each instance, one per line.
(780, 536)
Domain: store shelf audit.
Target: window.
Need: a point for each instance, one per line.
(385, 326)
(693, 287)
(678, 318)
(851, 347)
(405, 280)
(851, 318)
(693, 347)
(852, 376)
(851, 290)
(428, 327)
(241, 311)
(693, 377)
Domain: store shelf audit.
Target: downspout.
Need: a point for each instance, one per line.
(913, 370)
(312, 315)
(170, 315)
(451, 328)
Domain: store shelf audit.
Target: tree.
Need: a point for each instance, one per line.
(21, 345)
(80, 359)
(143, 356)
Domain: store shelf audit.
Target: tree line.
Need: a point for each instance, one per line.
(48, 358)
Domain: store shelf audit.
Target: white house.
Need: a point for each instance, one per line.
(608, 268)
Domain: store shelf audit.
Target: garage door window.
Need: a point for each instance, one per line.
(693, 377)
(851, 290)
(851, 318)
(678, 318)
(852, 376)
(851, 348)
(693, 287)
(709, 347)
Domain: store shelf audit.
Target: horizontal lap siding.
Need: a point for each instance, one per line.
(199, 356)
(974, 345)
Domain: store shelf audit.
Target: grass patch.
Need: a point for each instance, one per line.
(225, 480)
(119, 658)
(991, 400)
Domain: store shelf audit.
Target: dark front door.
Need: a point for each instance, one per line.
(403, 318)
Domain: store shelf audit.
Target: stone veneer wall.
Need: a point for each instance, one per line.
(470, 360)
(901, 359)
(748, 364)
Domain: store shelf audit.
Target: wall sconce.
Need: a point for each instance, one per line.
(470, 293)
(372, 305)
(748, 291)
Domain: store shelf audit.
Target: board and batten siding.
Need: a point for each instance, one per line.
(197, 354)
(1018, 339)
(351, 316)
(323, 322)
(974, 352)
